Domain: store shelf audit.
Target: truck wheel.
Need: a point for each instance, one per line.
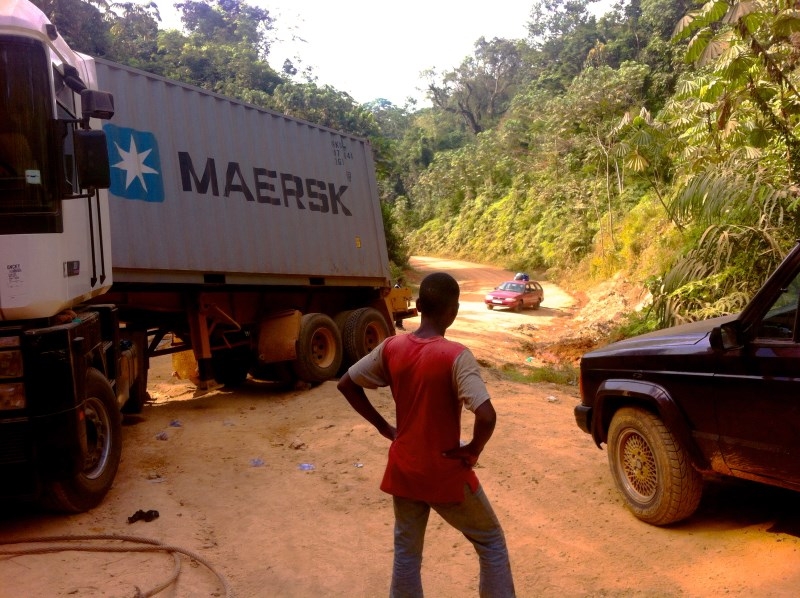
(341, 320)
(319, 349)
(364, 330)
(231, 366)
(651, 469)
(103, 421)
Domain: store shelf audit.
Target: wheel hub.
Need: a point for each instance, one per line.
(639, 466)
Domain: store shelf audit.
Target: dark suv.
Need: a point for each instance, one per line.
(722, 395)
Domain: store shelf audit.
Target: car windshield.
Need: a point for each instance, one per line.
(512, 286)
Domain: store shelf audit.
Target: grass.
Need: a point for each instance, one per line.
(562, 373)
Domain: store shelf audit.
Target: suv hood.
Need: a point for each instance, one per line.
(676, 336)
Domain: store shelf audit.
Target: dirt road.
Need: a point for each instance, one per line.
(278, 492)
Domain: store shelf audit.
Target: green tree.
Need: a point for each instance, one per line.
(81, 24)
(561, 34)
(224, 50)
(133, 33)
(324, 106)
(480, 90)
(228, 22)
(738, 163)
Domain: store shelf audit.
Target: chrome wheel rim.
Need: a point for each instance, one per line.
(639, 468)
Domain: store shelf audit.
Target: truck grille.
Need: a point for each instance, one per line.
(15, 438)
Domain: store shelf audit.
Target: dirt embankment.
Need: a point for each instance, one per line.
(278, 492)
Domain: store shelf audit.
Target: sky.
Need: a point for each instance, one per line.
(376, 49)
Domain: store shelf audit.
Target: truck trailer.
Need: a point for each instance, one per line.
(136, 210)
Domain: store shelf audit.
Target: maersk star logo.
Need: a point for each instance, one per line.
(135, 164)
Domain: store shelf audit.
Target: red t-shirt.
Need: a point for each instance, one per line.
(428, 400)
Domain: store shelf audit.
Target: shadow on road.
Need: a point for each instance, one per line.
(730, 503)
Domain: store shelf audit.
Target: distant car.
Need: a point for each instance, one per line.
(516, 295)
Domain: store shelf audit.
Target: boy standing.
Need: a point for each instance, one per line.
(430, 379)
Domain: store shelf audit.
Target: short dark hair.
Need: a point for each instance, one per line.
(437, 292)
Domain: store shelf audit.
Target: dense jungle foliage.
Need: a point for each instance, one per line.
(658, 140)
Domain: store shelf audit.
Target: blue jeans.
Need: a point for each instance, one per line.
(475, 519)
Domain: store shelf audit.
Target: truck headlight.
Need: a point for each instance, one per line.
(12, 396)
(11, 364)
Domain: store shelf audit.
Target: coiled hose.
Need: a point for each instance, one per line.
(144, 545)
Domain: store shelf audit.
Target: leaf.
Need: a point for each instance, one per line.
(786, 23)
(739, 10)
(642, 138)
(698, 45)
(637, 162)
(713, 50)
(714, 11)
(685, 26)
(621, 149)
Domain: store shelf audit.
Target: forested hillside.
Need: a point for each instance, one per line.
(659, 140)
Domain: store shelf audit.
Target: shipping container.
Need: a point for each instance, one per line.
(202, 185)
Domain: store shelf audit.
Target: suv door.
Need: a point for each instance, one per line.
(757, 395)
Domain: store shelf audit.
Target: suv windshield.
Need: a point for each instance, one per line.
(27, 204)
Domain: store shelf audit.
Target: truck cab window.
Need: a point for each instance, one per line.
(27, 196)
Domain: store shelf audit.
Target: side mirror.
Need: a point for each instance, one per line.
(91, 159)
(97, 104)
(725, 337)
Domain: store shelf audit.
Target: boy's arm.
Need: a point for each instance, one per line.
(358, 400)
(485, 420)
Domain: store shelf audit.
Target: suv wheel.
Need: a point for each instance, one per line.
(651, 469)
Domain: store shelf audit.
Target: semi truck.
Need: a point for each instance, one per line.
(136, 210)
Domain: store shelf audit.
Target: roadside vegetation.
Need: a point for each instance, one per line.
(565, 374)
(658, 140)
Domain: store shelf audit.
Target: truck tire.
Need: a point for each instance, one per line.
(341, 320)
(86, 489)
(651, 469)
(319, 349)
(364, 330)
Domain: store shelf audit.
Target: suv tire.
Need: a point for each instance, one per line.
(651, 469)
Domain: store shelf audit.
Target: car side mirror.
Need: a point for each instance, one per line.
(725, 337)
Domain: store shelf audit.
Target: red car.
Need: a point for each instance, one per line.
(516, 295)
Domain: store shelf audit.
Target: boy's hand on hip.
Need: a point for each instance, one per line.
(465, 453)
(388, 431)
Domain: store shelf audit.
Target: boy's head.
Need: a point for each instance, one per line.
(438, 293)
